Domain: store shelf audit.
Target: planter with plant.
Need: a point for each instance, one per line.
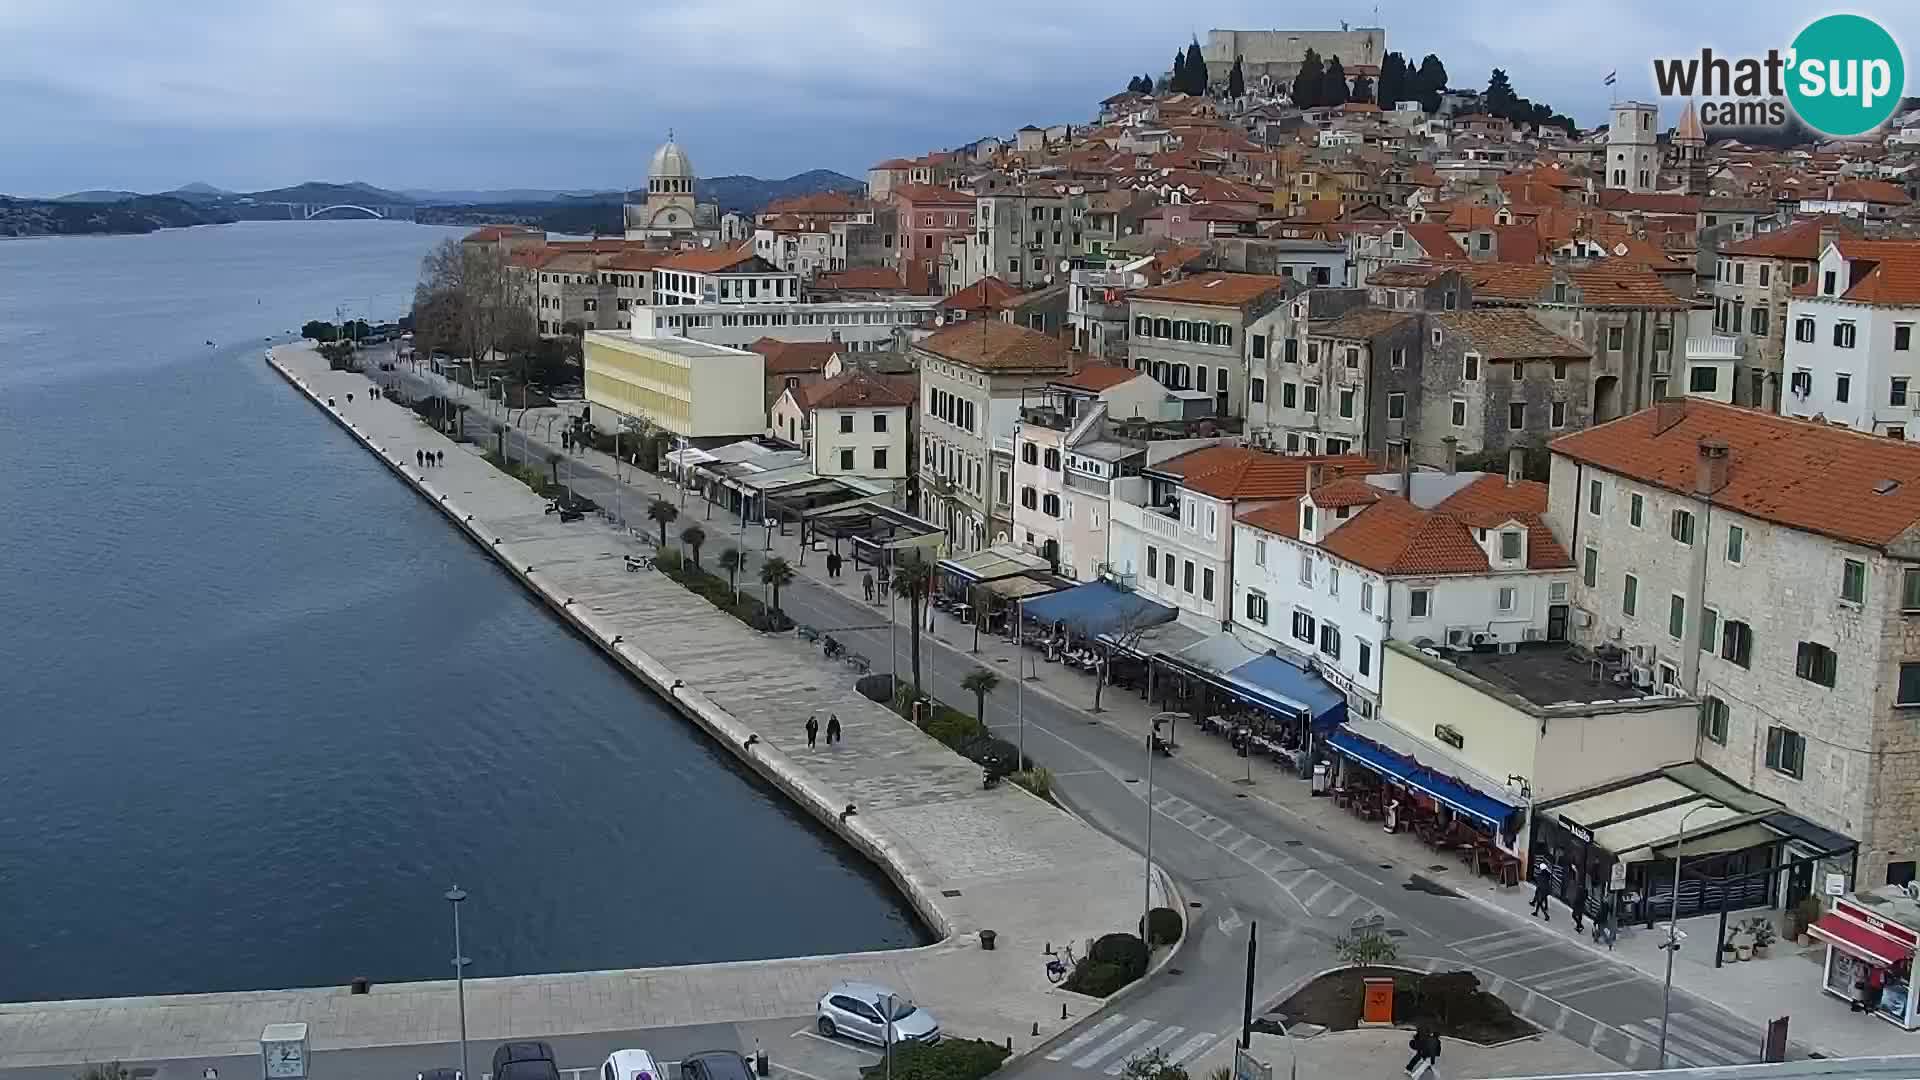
(1805, 914)
(1761, 931)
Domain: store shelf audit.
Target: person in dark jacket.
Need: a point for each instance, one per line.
(1580, 906)
(1425, 1045)
(1542, 890)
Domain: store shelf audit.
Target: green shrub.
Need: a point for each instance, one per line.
(111, 1071)
(667, 560)
(1125, 951)
(1152, 1065)
(1366, 948)
(956, 729)
(948, 1059)
(1164, 926)
(1096, 979)
(1038, 780)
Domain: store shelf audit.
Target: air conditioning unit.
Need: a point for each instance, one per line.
(1509, 647)
(1483, 638)
(1643, 677)
(1534, 633)
(1643, 655)
(1582, 618)
(1459, 636)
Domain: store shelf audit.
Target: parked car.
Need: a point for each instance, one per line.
(714, 1065)
(524, 1061)
(631, 1065)
(853, 1009)
(439, 1074)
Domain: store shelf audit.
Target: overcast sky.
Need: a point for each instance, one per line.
(251, 94)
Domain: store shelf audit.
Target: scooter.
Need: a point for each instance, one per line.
(831, 647)
(1162, 747)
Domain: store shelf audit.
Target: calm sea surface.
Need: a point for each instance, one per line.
(260, 706)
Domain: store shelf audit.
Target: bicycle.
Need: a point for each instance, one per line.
(1060, 964)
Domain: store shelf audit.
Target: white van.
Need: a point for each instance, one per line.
(632, 1065)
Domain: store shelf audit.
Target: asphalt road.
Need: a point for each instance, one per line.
(1241, 860)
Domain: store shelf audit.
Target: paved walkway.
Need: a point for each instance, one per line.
(1382, 1052)
(968, 859)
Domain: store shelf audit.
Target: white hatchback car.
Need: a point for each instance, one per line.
(631, 1065)
(853, 1009)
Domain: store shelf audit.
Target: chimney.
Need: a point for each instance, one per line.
(1829, 234)
(1710, 474)
(1667, 412)
(1453, 453)
(1313, 476)
(1406, 470)
(1516, 465)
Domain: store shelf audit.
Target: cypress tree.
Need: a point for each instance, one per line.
(1333, 84)
(1236, 80)
(1196, 69)
(1306, 83)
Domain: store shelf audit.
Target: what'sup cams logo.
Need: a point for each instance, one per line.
(1842, 76)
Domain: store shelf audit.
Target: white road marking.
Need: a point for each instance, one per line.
(1094, 1056)
(1191, 1047)
(1318, 893)
(1161, 1038)
(1086, 1037)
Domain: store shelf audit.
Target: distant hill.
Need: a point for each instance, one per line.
(198, 192)
(98, 195)
(504, 195)
(749, 194)
(316, 192)
(138, 214)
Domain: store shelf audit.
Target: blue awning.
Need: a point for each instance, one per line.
(1420, 778)
(1095, 608)
(1283, 686)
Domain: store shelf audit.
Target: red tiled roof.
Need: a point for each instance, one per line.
(1437, 242)
(1231, 472)
(932, 195)
(1491, 501)
(1815, 477)
(795, 357)
(1509, 334)
(1800, 240)
(891, 163)
(1869, 191)
(1884, 271)
(1600, 285)
(987, 294)
(1281, 519)
(1392, 536)
(491, 233)
(992, 345)
(709, 262)
(1214, 289)
(876, 278)
(635, 260)
(859, 390)
(1098, 377)
(1649, 202)
(1345, 491)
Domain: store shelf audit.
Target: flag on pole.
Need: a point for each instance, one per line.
(1612, 76)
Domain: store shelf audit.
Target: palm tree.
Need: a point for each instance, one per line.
(913, 581)
(731, 560)
(662, 513)
(693, 536)
(774, 573)
(980, 683)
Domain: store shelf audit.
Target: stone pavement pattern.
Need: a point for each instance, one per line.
(969, 859)
(1382, 1052)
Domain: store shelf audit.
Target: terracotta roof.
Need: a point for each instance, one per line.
(1810, 476)
(1883, 271)
(709, 262)
(1436, 241)
(992, 345)
(1392, 536)
(1510, 334)
(1281, 519)
(635, 260)
(1214, 289)
(932, 195)
(987, 294)
(859, 390)
(819, 202)
(860, 277)
(1491, 501)
(1871, 191)
(794, 357)
(1231, 472)
(1098, 377)
(1649, 202)
(1800, 240)
(1360, 324)
(1177, 258)
(491, 233)
(1602, 285)
(1345, 491)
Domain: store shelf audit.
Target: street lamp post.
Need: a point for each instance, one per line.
(455, 896)
(1146, 885)
(885, 1005)
(1672, 944)
(1020, 674)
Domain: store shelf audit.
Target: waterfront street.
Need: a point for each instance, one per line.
(1263, 850)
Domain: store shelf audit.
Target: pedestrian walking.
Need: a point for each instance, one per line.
(1425, 1045)
(833, 566)
(866, 585)
(420, 459)
(813, 731)
(833, 728)
(1580, 906)
(1604, 926)
(1542, 888)
(439, 457)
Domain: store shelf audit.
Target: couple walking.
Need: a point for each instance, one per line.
(813, 730)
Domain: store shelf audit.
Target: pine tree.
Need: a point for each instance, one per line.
(1362, 88)
(1429, 83)
(1306, 83)
(1236, 81)
(1499, 99)
(1178, 83)
(1333, 84)
(1146, 84)
(1393, 81)
(1196, 69)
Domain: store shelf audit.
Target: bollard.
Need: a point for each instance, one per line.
(360, 984)
(1009, 1044)
(1036, 1029)
(759, 1062)
(1063, 1010)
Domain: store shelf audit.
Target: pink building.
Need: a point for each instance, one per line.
(929, 217)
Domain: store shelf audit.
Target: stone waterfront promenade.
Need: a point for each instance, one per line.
(968, 859)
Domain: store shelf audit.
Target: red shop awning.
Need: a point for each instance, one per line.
(1860, 940)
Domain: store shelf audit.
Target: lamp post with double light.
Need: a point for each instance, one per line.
(1153, 748)
(1672, 944)
(456, 896)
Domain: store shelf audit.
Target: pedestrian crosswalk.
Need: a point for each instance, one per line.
(1700, 1041)
(1108, 1045)
(1293, 869)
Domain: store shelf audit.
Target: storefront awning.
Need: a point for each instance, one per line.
(999, 561)
(1410, 772)
(1096, 608)
(1020, 587)
(1285, 686)
(1860, 940)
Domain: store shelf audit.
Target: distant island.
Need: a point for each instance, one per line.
(104, 210)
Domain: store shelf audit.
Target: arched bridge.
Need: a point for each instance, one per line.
(309, 211)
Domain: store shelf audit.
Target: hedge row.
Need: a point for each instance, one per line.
(745, 607)
(964, 735)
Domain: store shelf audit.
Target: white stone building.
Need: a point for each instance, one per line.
(860, 325)
(1767, 567)
(1633, 147)
(1851, 356)
(856, 424)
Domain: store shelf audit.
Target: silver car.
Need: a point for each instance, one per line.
(853, 1009)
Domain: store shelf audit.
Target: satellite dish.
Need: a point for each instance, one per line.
(1065, 265)
(706, 241)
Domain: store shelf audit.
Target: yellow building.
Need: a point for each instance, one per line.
(687, 387)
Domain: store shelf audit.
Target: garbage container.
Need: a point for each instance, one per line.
(986, 939)
(1322, 778)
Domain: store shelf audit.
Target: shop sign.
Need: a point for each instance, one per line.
(1617, 877)
(1450, 735)
(1580, 832)
(1836, 885)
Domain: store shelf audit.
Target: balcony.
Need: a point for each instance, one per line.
(1716, 347)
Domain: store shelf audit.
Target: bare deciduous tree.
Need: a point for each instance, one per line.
(1135, 620)
(475, 300)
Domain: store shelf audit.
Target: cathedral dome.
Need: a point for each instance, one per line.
(670, 163)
